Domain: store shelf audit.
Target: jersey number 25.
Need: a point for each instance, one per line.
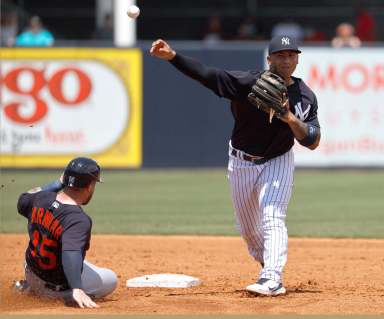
(40, 244)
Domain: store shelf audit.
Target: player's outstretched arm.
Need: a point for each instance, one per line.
(82, 299)
(25, 198)
(54, 186)
(162, 50)
(224, 84)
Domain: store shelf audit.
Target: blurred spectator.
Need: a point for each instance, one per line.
(313, 35)
(214, 31)
(365, 26)
(105, 31)
(247, 29)
(35, 35)
(9, 25)
(289, 28)
(345, 37)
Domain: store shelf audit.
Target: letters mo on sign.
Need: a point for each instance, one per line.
(349, 85)
(67, 102)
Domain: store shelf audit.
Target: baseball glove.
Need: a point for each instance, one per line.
(269, 94)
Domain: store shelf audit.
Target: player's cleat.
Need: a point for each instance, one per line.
(266, 287)
(21, 286)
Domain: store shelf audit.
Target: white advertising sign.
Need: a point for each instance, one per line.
(57, 107)
(349, 85)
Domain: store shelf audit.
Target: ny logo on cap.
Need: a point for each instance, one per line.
(285, 41)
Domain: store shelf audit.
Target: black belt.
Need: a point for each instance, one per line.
(257, 161)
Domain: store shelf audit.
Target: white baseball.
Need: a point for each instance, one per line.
(133, 12)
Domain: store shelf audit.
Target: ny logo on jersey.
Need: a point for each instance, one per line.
(299, 113)
(285, 41)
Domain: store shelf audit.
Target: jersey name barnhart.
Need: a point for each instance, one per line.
(46, 219)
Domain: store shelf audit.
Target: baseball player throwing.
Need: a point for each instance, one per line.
(261, 162)
(60, 232)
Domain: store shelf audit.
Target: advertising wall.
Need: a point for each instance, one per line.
(186, 124)
(349, 85)
(60, 103)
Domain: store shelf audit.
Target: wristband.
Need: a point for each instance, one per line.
(313, 133)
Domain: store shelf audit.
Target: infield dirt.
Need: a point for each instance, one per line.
(323, 276)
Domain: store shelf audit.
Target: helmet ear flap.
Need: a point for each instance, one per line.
(80, 172)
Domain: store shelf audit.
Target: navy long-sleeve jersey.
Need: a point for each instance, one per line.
(252, 132)
(53, 227)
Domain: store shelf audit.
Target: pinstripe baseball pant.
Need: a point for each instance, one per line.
(260, 196)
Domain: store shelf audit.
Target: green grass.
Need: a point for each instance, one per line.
(338, 204)
(324, 203)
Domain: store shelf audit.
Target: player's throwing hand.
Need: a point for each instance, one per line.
(82, 299)
(162, 50)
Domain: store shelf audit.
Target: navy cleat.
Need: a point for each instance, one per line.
(21, 286)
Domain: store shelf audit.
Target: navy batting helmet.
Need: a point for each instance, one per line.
(80, 172)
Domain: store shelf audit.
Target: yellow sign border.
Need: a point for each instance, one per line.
(126, 152)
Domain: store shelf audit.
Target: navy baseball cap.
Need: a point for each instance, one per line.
(282, 43)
